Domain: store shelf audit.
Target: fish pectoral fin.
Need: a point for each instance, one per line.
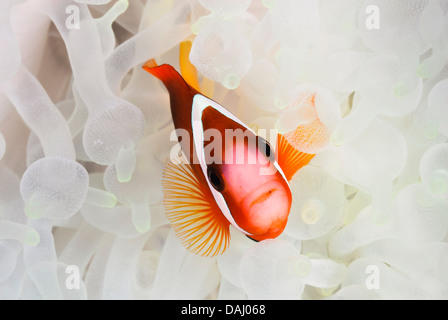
(289, 158)
(193, 212)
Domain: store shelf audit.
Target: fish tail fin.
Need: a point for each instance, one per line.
(166, 73)
(181, 92)
(187, 69)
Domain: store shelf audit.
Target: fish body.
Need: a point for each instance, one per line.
(232, 176)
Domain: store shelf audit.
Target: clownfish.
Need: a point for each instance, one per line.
(202, 198)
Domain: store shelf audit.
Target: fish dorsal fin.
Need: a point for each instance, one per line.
(289, 158)
(192, 211)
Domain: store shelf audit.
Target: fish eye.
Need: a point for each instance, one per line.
(215, 178)
(265, 148)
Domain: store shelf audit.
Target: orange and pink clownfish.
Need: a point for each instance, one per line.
(203, 198)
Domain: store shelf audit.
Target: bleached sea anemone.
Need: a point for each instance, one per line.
(85, 135)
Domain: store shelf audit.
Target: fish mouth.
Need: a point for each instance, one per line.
(267, 207)
(262, 193)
